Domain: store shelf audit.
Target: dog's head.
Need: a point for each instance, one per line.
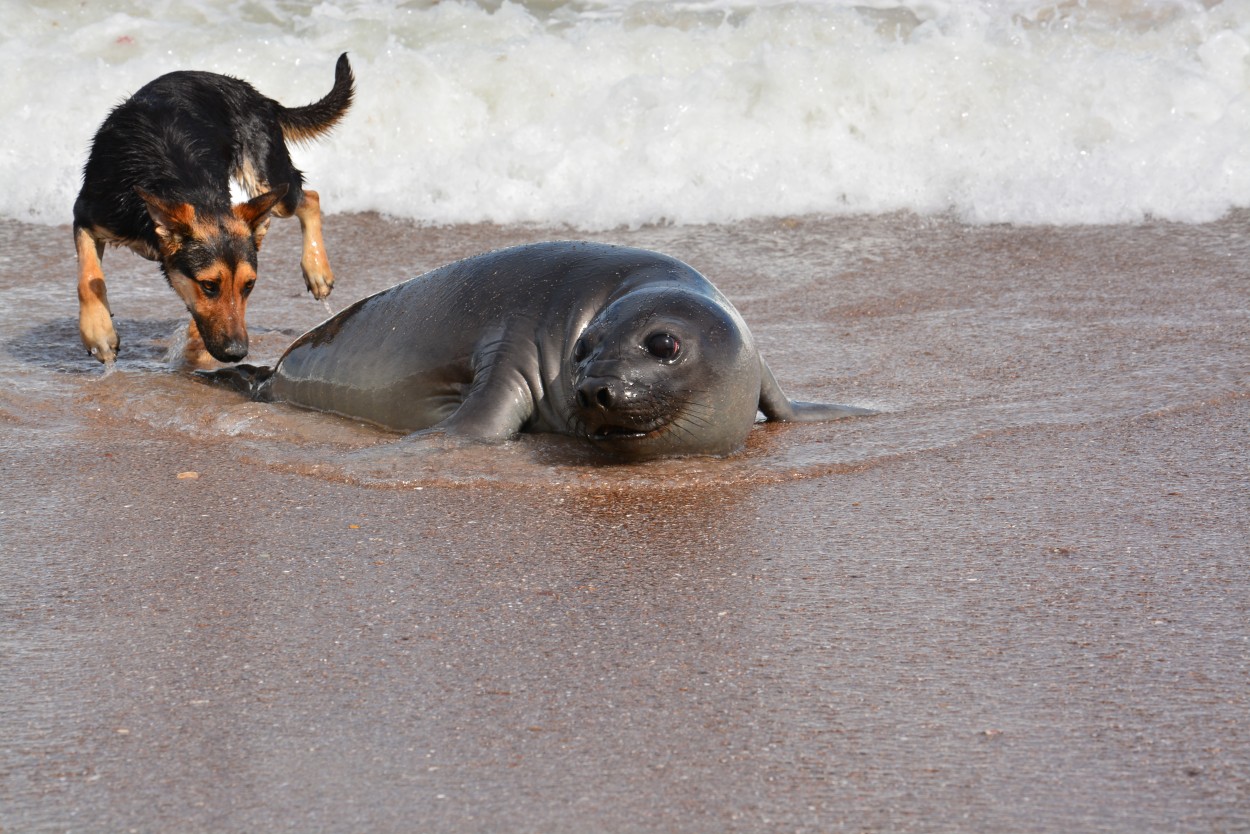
(209, 259)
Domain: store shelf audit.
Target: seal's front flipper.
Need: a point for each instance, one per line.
(778, 407)
(246, 379)
(498, 404)
(481, 423)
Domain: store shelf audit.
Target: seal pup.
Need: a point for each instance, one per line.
(628, 349)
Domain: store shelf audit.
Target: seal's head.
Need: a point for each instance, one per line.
(664, 371)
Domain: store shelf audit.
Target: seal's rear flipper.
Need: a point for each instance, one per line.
(246, 379)
(778, 407)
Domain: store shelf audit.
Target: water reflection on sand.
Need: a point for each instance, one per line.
(1015, 601)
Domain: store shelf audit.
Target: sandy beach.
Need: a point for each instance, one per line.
(1015, 601)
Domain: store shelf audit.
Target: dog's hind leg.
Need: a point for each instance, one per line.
(314, 263)
(95, 318)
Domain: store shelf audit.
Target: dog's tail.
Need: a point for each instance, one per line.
(246, 379)
(303, 124)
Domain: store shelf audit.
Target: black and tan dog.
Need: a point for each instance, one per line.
(158, 181)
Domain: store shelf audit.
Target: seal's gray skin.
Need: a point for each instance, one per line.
(631, 350)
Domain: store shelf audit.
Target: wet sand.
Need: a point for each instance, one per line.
(1017, 601)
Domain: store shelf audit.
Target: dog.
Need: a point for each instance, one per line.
(157, 180)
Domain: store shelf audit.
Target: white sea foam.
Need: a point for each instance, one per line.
(598, 114)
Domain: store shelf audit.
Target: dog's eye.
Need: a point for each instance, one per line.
(247, 288)
(663, 346)
(211, 289)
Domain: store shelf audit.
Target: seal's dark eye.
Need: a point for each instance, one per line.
(580, 350)
(663, 346)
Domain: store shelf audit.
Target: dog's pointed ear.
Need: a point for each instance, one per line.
(257, 211)
(173, 220)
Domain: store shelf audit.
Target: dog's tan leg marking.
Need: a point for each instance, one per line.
(314, 263)
(95, 318)
(194, 354)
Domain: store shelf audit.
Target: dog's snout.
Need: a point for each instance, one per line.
(231, 351)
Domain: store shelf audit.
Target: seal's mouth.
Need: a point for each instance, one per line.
(610, 432)
(617, 433)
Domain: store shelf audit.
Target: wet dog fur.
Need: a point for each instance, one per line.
(157, 180)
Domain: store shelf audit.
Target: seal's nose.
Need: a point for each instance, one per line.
(602, 394)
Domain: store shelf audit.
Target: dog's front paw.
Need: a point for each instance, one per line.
(98, 335)
(318, 278)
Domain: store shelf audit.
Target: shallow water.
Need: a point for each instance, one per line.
(1016, 601)
(1017, 328)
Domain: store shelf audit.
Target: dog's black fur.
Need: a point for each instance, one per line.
(158, 181)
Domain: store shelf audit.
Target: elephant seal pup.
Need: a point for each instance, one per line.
(630, 350)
